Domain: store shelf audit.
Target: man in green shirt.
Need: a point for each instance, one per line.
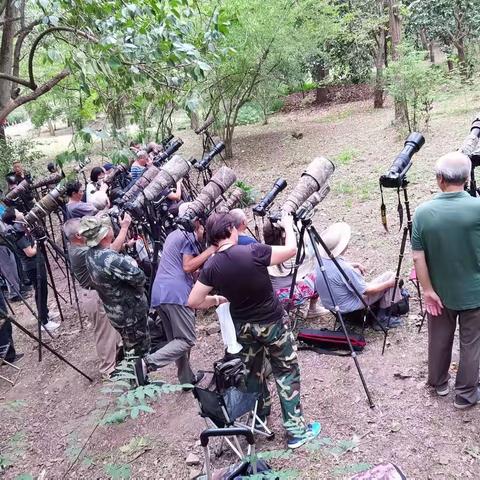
(446, 253)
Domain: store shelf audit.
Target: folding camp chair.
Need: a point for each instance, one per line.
(245, 468)
(224, 402)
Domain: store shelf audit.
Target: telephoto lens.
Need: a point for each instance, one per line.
(47, 204)
(175, 169)
(312, 180)
(235, 199)
(205, 161)
(263, 205)
(50, 180)
(145, 179)
(470, 144)
(23, 187)
(167, 140)
(395, 177)
(168, 152)
(312, 201)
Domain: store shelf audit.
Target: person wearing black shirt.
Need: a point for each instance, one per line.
(33, 264)
(239, 274)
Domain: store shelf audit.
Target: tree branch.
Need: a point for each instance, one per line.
(39, 38)
(14, 79)
(37, 92)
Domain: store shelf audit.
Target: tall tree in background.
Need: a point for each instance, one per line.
(127, 43)
(395, 29)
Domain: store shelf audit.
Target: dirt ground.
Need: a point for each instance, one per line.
(51, 412)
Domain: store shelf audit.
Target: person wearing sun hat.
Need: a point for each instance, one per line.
(379, 290)
(119, 283)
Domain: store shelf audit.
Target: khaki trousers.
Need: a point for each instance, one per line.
(107, 339)
(441, 331)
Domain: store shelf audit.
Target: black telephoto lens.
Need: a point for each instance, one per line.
(167, 140)
(205, 161)
(169, 151)
(395, 176)
(262, 207)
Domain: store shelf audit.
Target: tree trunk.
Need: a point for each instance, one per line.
(321, 95)
(228, 140)
(450, 65)
(461, 55)
(6, 52)
(378, 90)
(395, 27)
(51, 128)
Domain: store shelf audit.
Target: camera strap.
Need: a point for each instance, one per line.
(383, 210)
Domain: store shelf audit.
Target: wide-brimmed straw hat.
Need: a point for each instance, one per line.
(336, 238)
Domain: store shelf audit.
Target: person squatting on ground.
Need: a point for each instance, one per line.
(107, 339)
(33, 264)
(119, 284)
(181, 258)
(239, 274)
(378, 291)
(446, 253)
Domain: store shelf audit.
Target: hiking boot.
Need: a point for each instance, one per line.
(442, 390)
(461, 404)
(312, 431)
(394, 323)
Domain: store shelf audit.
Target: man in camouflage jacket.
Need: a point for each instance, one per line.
(119, 283)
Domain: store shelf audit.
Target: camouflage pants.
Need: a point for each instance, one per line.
(134, 332)
(276, 342)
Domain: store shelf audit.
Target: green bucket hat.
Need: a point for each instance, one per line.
(93, 229)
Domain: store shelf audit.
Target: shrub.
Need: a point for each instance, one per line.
(412, 81)
(249, 114)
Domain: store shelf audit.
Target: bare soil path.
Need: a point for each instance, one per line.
(46, 418)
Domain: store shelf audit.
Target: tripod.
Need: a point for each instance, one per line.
(41, 343)
(407, 232)
(314, 238)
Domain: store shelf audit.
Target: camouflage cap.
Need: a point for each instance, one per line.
(93, 229)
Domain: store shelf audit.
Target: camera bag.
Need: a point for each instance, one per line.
(328, 341)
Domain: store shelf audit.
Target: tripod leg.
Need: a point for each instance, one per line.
(295, 269)
(314, 234)
(340, 318)
(397, 274)
(51, 350)
(50, 274)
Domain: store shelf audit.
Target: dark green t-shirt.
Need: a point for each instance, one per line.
(447, 229)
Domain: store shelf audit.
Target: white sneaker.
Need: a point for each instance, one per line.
(50, 326)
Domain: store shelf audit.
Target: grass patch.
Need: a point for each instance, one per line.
(345, 157)
(344, 188)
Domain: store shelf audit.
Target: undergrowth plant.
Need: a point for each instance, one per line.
(131, 402)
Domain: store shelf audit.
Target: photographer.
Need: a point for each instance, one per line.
(377, 291)
(139, 165)
(446, 253)
(76, 207)
(239, 273)
(95, 184)
(107, 339)
(33, 264)
(7, 348)
(119, 283)
(241, 225)
(181, 258)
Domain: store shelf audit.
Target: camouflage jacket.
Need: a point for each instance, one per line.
(120, 286)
